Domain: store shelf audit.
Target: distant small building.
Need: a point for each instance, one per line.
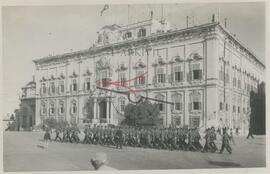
(25, 115)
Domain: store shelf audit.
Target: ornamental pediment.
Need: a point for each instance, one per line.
(139, 64)
(121, 67)
(159, 61)
(61, 76)
(194, 56)
(73, 75)
(87, 73)
(103, 63)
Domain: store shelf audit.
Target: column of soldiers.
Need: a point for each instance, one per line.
(157, 138)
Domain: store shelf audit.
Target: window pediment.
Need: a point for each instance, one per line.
(61, 76)
(194, 56)
(159, 61)
(87, 73)
(121, 67)
(43, 79)
(73, 75)
(139, 64)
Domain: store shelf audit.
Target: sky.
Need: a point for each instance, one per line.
(32, 32)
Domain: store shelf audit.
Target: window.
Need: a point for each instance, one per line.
(142, 32)
(195, 73)
(52, 88)
(177, 99)
(238, 109)
(74, 108)
(227, 107)
(160, 75)
(196, 105)
(61, 86)
(122, 78)
(74, 85)
(141, 79)
(43, 88)
(234, 108)
(128, 35)
(87, 83)
(122, 105)
(234, 81)
(244, 110)
(178, 75)
(104, 78)
(161, 105)
(221, 106)
(239, 83)
(61, 108)
(52, 109)
(43, 108)
(195, 121)
(195, 99)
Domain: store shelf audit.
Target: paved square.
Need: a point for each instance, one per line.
(22, 152)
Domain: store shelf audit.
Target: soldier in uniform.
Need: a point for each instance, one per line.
(213, 137)
(197, 138)
(57, 132)
(207, 146)
(225, 142)
(69, 130)
(86, 135)
(191, 146)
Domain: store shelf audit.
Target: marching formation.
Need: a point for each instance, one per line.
(156, 138)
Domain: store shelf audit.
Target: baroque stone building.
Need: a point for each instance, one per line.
(204, 70)
(26, 114)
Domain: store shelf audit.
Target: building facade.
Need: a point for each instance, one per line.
(204, 70)
(26, 114)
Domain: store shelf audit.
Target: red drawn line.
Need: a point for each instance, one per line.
(118, 83)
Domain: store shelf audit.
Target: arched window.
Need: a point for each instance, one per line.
(161, 105)
(177, 100)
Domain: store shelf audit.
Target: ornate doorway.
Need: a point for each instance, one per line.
(103, 111)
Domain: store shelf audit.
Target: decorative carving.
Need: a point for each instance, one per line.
(139, 64)
(73, 75)
(87, 73)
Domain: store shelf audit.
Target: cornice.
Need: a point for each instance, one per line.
(182, 34)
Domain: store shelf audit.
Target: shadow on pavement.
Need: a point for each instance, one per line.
(40, 146)
(224, 164)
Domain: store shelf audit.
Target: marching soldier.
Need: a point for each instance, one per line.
(207, 146)
(197, 138)
(213, 137)
(57, 132)
(225, 142)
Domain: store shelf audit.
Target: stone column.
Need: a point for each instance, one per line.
(108, 110)
(95, 113)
